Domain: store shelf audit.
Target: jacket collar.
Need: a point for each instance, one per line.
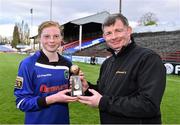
(44, 59)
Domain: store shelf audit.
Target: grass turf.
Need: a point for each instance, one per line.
(79, 113)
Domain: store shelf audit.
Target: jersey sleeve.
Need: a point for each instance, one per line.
(23, 90)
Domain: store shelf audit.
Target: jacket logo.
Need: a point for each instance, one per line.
(120, 72)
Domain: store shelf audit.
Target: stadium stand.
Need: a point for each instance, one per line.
(98, 50)
(7, 48)
(165, 40)
(91, 27)
(171, 56)
(166, 44)
(91, 30)
(74, 46)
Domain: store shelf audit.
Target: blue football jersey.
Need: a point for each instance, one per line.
(38, 78)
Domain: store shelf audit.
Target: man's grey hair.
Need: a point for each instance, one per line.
(111, 19)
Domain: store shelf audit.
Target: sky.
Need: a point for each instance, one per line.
(14, 11)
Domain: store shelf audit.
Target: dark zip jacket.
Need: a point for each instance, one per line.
(132, 84)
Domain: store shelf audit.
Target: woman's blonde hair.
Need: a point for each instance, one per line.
(48, 24)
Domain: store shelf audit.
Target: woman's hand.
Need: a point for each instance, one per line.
(61, 96)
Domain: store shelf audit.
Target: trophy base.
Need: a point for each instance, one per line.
(76, 86)
(76, 93)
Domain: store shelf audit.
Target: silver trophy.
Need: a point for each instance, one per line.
(76, 81)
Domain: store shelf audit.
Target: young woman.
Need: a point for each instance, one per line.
(41, 87)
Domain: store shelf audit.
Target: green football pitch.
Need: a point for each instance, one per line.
(79, 113)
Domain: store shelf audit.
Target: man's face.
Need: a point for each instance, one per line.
(117, 35)
(51, 39)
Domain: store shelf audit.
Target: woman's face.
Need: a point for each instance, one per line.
(51, 39)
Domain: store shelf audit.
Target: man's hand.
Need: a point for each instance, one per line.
(83, 81)
(93, 100)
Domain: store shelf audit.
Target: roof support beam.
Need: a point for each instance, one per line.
(80, 36)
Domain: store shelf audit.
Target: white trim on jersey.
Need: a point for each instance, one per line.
(20, 103)
(50, 66)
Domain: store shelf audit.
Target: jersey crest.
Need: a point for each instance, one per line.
(66, 74)
(19, 82)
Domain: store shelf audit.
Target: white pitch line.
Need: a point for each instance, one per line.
(173, 80)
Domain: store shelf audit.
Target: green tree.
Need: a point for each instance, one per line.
(24, 33)
(148, 19)
(16, 37)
